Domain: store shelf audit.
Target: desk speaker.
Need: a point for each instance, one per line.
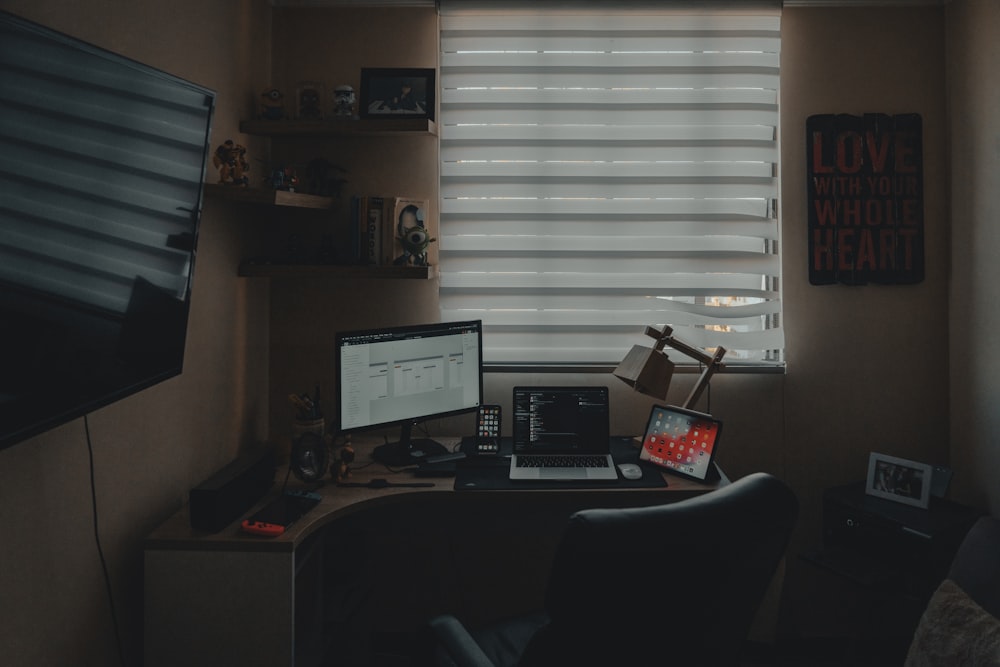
(220, 499)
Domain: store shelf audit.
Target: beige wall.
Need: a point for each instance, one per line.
(151, 448)
(331, 46)
(868, 367)
(973, 95)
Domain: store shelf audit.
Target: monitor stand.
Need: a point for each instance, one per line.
(407, 451)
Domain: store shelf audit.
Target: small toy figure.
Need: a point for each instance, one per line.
(231, 160)
(272, 104)
(309, 103)
(284, 178)
(413, 237)
(343, 102)
(341, 467)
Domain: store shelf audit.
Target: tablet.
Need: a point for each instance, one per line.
(682, 441)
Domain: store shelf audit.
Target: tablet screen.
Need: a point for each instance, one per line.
(680, 440)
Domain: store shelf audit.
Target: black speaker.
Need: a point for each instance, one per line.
(220, 499)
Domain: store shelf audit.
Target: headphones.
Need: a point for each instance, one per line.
(310, 458)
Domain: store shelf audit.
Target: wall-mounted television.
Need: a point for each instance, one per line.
(102, 164)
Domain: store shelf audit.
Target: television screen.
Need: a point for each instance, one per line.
(102, 163)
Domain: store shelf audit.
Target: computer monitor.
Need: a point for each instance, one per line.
(406, 375)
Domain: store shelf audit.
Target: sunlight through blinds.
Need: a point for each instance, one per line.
(605, 171)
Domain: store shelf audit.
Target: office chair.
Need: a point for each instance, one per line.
(675, 584)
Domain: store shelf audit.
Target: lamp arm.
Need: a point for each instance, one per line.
(712, 363)
(665, 337)
(715, 362)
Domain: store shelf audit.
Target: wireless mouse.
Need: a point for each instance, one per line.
(630, 470)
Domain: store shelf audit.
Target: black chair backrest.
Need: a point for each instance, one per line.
(671, 584)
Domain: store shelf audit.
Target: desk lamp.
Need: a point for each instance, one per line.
(649, 370)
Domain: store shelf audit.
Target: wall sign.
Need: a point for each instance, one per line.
(866, 199)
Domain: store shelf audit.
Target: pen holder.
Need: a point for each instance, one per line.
(300, 426)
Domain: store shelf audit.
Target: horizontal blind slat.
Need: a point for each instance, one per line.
(606, 226)
(606, 308)
(605, 189)
(600, 79)
(711, 97)
(755, 208)
(457, 172)
(651, 41)
(458, 15)
(651, 283)
(608, 246)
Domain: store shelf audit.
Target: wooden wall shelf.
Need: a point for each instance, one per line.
(337, 128)
(263, 196)
(250, 269)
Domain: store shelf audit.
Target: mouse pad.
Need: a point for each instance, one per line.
(492, 474)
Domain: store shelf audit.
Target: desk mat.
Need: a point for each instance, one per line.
(492, 474)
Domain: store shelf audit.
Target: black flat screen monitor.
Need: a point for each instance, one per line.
(102, 163)
(407, 375)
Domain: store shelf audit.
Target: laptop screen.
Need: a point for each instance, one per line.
(573, 420)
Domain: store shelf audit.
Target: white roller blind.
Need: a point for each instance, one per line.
(608, 170)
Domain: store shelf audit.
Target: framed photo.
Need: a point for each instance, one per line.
(397, 93)
(899, 480)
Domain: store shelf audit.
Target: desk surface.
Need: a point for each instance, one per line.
(176, 532)
(233, 598)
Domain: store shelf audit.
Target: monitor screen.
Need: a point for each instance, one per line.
(406, 375)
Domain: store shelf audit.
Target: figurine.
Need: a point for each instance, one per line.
(284, 178)
(231, 160)
(309, 103)
(272, 104)
(413, 237)
(343, 102)
(341, 467)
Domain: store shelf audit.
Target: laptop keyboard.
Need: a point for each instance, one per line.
(561, 461)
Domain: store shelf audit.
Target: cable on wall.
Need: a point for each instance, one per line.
(100, 551)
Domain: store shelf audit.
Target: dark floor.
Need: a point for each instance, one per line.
(830, 652)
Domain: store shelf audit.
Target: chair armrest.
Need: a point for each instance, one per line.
(452, 637)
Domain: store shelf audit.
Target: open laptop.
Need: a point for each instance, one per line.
(561, 433)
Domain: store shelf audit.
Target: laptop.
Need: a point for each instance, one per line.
(562, 434)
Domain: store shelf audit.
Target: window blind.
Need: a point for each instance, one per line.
(606, 170)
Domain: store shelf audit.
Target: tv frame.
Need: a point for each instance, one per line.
(101, 395)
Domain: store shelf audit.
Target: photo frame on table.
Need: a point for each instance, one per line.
(402, 92)
(899, 480)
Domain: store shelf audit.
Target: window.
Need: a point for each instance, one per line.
(606, 170)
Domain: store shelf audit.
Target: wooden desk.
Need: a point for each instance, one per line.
(229, 598)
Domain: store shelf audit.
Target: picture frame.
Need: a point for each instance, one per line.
(899, 480)
(401, 92)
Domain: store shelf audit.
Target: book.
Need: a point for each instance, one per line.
(368, 219)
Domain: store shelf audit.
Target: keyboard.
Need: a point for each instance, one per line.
(562, 461)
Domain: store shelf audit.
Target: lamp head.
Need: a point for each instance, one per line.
(646, 370)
